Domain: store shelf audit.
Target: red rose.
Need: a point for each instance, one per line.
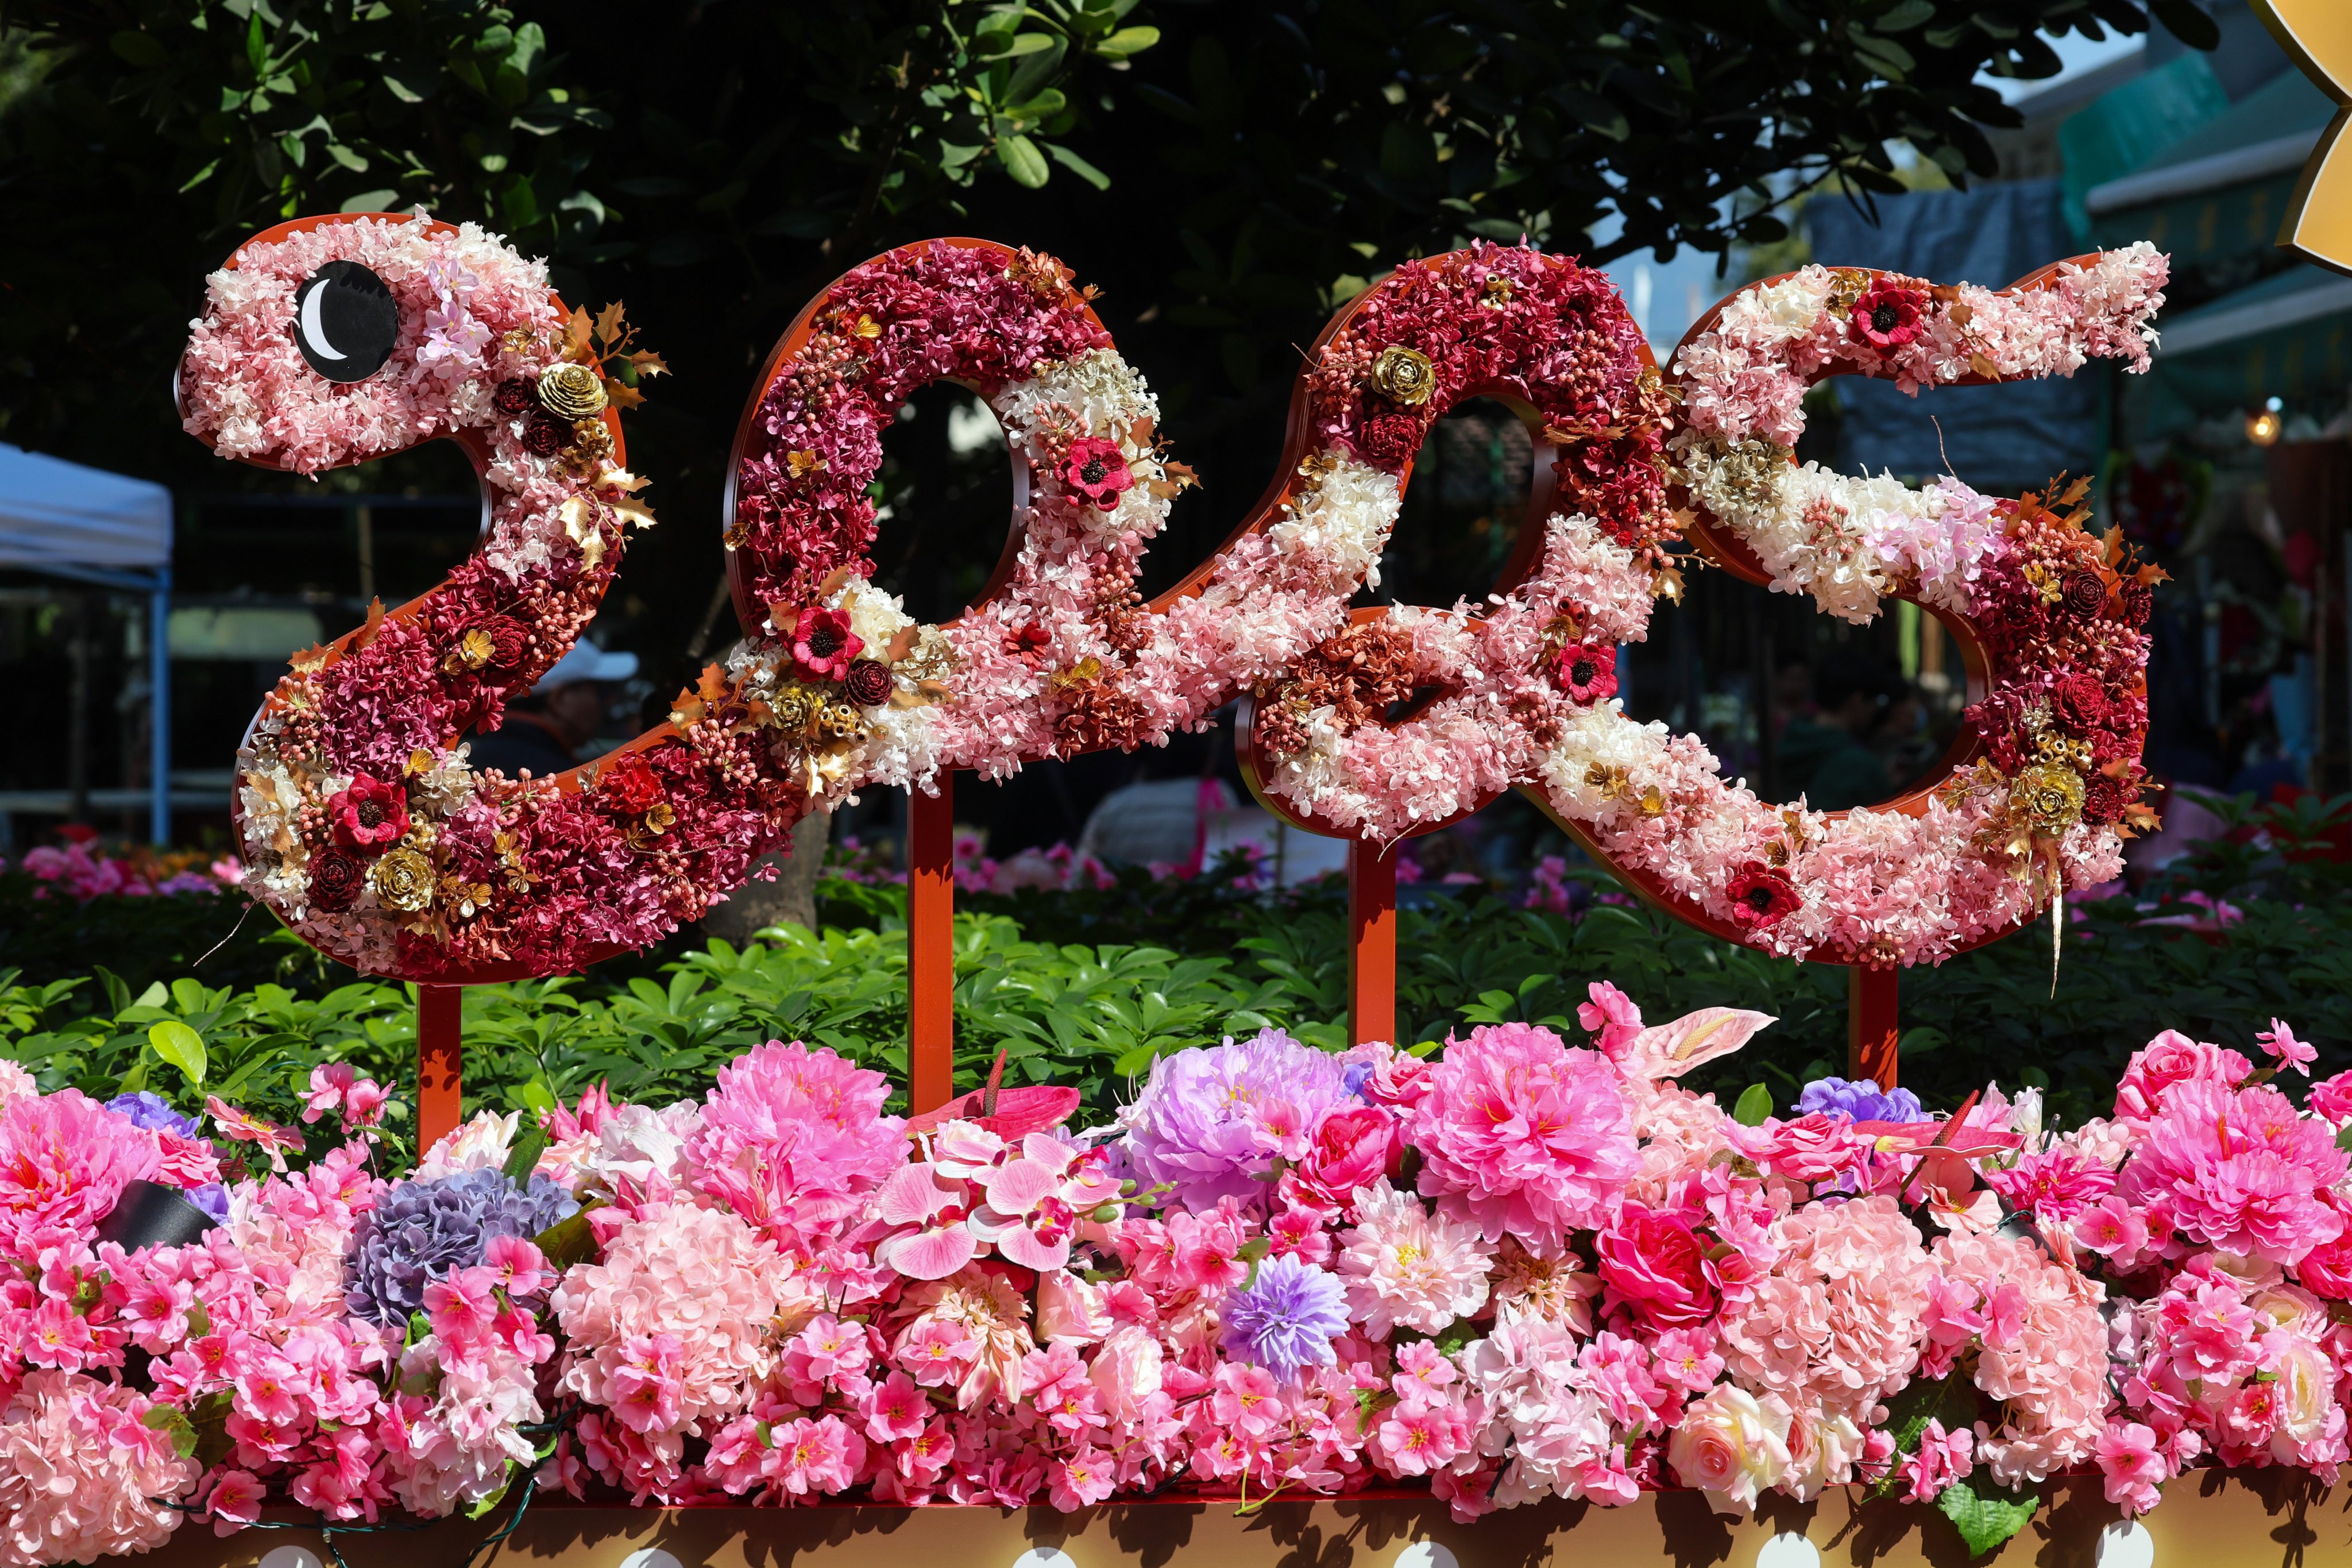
(823, 645)
(1587, 673)
(545, 434)
(509, 639)
(1761, 897)
(513, 397)
(1348, 1149)
(1656, 1265)
(1389, 440)
(2084, 592)
(1096, 469)
(2079, 703)
(630, 783)
(1888, 317)
(335, 881)
(869, 682)
(2103, 798)
(370, 816)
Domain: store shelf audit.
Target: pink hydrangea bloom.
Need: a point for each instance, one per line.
(1522, 1136)
(701, 1275)
(1838, 1317)
(81, 1476)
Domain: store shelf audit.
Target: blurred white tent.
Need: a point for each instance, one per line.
(90, 526)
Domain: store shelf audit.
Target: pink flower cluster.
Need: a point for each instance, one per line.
(1521, 1270)
(78, 871)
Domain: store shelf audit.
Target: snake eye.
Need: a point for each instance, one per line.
(345, 322)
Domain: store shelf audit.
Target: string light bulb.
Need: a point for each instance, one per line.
(2264, 425)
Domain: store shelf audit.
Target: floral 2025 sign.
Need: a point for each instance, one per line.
(367, 830)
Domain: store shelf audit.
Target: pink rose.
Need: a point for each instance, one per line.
(1813, 1148)
(1657, 1264)
(2171, 1060)
(1731, 1446)
(1348, 1149)
(2331, 1100)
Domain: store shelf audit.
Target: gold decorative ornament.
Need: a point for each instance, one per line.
(1403, 375)
(2049, 796)
(572, 392)
(474, 651)
(1847, 284)
(1497, 293)
(403, 880)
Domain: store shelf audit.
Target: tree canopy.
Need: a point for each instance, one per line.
(1227, 172)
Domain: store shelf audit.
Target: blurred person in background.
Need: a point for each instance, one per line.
(1829, 755)
(543, 732)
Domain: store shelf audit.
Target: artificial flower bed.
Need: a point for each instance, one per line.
(1514, 1270)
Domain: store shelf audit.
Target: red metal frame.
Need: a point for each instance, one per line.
(930, 946)
(440, 1062)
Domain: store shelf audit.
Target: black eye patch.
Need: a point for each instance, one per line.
(345, 322)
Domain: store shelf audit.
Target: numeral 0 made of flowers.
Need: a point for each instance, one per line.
(336, 340)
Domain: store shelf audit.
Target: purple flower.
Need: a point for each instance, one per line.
(1211, 1119)
(152, 1112)
(213, 1198)
(421, 1230)
(1860, 1101)
(1285, 1318)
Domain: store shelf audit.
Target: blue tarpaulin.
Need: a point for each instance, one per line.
(2002, 439)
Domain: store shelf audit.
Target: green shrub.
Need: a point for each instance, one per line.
(1145, 968)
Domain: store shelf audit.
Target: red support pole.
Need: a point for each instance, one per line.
(440, 1057)
(930, 946)
(1371, 943)
(1872, 1000)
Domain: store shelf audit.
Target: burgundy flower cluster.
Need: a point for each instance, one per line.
(2065, 627)
(1509, 321)
(900, 322)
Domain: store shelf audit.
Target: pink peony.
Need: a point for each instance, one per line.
(64, 1160)
(1404, 1266)
(2331, 1100)
(792, 1139)
(2239, 1171)
(1523, 1136)
(2280, 1042)
(1611, 1017)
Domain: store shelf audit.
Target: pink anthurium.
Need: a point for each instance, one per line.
(1670, 1050)
(937, 1242)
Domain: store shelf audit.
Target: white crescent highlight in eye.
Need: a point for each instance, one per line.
(314, 332)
